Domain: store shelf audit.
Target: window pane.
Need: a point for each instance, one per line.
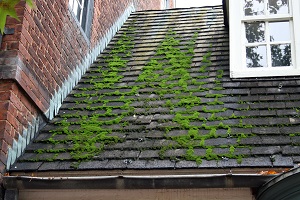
(255, 32)
(279, 31)
(254, 7)
(281, 55)
(84, 15)
(279, 6)
(256, 56)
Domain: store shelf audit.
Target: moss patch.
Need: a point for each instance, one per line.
(195, 102)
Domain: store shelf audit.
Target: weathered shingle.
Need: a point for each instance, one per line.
(160, 97)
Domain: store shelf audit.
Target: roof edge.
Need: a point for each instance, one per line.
(138, 182)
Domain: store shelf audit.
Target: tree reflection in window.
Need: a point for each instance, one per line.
(278, 6)
(254, 7)
(255, 32)
(281, 55)
(256, 56)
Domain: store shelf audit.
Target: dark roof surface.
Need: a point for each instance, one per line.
(160, 97)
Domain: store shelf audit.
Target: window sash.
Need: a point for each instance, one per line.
(268, 43)
(237, 20)
(267, 14)
(77, 8)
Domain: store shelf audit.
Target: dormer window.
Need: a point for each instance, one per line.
(263, 38)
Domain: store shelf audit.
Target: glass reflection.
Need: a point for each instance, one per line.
(254, 7)
(255, 32)
(279, 6)
(281, 55)
(279, 31)
(256, 56)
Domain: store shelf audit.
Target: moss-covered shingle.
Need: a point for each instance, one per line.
(160, 96)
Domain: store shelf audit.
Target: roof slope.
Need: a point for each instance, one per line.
(160, 97)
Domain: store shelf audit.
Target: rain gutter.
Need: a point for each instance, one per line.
(137, 182)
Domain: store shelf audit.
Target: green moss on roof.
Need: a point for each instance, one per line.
(167, 72)
(176, 100)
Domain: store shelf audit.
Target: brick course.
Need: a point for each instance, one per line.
(17, 111)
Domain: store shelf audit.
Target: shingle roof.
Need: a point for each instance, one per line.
(160, 97)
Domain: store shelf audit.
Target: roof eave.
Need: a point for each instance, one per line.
(138, 182)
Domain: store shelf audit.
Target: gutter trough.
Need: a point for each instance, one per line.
(137, 182)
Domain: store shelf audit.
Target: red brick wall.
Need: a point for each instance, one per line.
(152, 5)
(148, 5)
(50, 44)
(172, 4)
(106, 17)
(19, 110)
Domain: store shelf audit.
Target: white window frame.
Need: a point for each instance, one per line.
(238, 68)
(75, 5)
(85, 18)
